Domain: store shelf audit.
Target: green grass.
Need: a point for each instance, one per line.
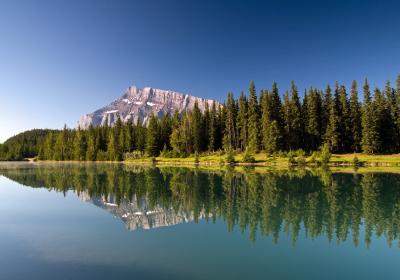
(263, 159)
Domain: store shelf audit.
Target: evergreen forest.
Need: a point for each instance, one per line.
(359, 119)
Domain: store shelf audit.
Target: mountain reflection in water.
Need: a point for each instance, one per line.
(336, 205)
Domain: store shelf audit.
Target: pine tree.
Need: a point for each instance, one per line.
(79, 145)
(119, 139)
(242, 119)
(266, 120)
(91, 144)
(332, 129)
(355, 118)
(390, 137)
(253, 125)
(213, 127)
(206, 125)
(176, 139)
(165, 131)
(197, 127)
(60, 148)
(272, 138)
(140, 139)
(111, 145)
(345, 131)
(370, 137)
(229, 139)
(313, 125)
(152, 138)
(326, 105)
(294, 121)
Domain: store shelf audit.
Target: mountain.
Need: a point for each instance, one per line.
(139, 103)
(138, 214)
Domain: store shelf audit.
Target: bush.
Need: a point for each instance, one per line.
(301, 160)
(291, 157)
(248, 157)
(131, 155)
(356, 161)
(325, 154)
(314, 157)
(230, 157)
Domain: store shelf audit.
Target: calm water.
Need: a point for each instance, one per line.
(107, 221)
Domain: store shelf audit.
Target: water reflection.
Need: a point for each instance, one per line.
(338, 206)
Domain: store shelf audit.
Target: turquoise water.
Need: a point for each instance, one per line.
(108, 221)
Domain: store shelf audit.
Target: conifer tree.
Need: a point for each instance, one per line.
(332, 129)
(295, 120)
(345, 131)
(326, 105)
(370, 138)
(213, 127)
(206, 126)
(152, 137)
(253, 125)
(140, 139)
(266, 121)
(111, 145)
(165, 131)
(197, 126)
(91, 144)
(242, 120)
(229, 139)
(313, 125)
(79, 145)
(355, 118)
(119, 139)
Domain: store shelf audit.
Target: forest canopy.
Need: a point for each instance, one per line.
(268, 122)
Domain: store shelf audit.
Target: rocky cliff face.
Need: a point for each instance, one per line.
(138, 214)
(139, 103)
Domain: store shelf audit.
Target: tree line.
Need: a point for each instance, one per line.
(267, 122)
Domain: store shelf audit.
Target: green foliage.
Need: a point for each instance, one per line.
(325, 154)
(24, 145)
(152, 139)
(134, 155)
(335, 206)
(248, 157)
(249, 125)
(356, 161)
(253, 120)
(196, 158)
(230, 157)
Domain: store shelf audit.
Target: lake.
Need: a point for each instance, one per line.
(115, 221)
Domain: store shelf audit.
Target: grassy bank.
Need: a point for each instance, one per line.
(262, 159)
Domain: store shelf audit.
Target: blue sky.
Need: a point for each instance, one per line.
(61, 59)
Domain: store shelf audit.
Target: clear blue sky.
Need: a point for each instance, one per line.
(61, 59)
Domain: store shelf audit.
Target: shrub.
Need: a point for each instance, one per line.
(314, 157)
(356, 161)
(291, 157)
(301, 160)
(230, 158)
(248, 157)
(325, 154)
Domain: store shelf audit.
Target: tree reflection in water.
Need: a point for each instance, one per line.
(335, 205)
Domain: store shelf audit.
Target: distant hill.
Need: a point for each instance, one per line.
(23, 145)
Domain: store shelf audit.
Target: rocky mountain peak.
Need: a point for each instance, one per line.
(138, 104)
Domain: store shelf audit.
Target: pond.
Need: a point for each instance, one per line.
(116, 221)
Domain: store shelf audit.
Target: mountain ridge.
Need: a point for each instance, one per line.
(139, 103)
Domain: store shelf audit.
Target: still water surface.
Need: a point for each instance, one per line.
(109, 221)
